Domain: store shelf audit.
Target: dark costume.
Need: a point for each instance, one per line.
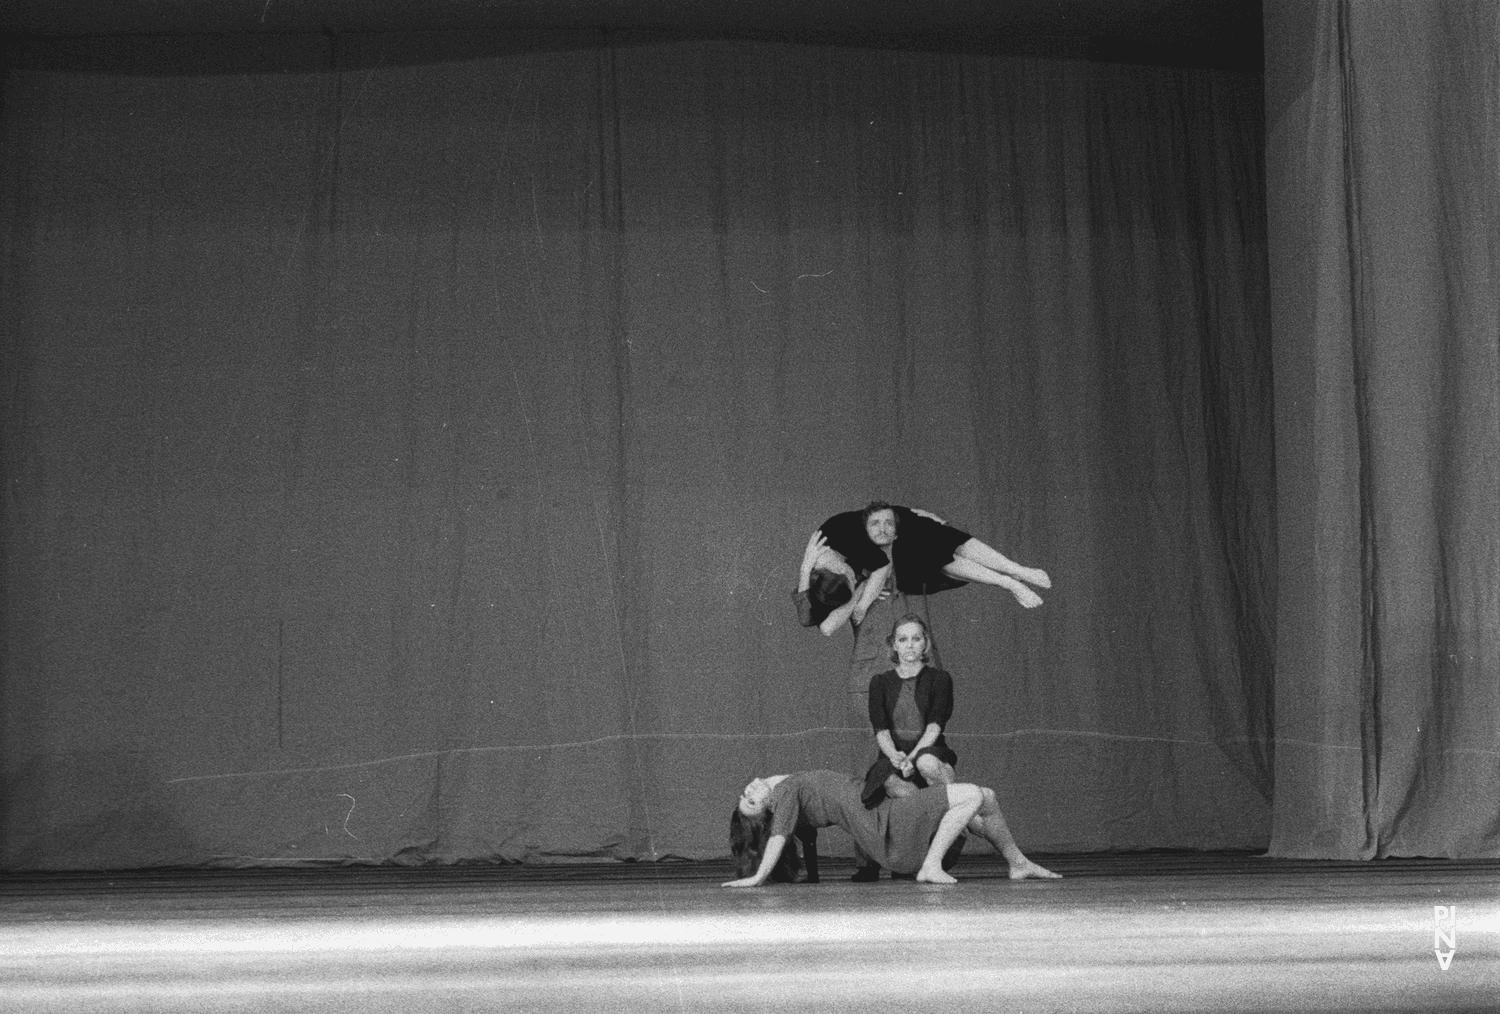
(923, 547)
(904, 708)
(896, 834)
(826, 592)
(846, 536)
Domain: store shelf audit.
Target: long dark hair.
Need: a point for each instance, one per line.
(747, 843)
(826, 591)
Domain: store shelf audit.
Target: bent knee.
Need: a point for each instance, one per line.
(934, 770)
(964, 794)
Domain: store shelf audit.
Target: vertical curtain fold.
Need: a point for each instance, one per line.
(410, 440)
(1384, 176)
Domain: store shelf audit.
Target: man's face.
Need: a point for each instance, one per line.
(881, 527)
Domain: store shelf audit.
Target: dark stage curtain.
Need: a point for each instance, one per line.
(1384, 176)
(410, 442)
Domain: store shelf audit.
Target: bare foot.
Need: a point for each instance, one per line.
(1036, 576)
(1026, 596)
(937, 876)
(1028, 870)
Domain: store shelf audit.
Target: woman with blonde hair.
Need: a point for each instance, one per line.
(909, 706)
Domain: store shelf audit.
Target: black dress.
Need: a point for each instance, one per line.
(923, 547)
(846, 536)
(932, 690)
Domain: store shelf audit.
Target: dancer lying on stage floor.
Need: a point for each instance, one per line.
(849, 558)
(907, 835)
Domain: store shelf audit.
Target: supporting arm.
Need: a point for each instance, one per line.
(774, 845)
(866, 594)
(836, 619)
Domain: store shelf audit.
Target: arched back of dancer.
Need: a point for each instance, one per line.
(907, 835)
(848, 560)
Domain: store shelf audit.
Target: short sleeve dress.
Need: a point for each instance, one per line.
(896, 834)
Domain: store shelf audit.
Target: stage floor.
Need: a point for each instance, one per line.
(1120, 933)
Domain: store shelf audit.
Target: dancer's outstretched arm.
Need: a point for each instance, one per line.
(774, 845)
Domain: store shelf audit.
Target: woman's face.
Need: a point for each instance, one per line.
(910, 642)
(881, 527)
(755, 797)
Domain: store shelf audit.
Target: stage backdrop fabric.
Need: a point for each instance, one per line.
(1384, 175)
(410, 441)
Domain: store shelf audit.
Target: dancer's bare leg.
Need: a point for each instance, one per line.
(963, 805)
(968, 570)
(936, 772)
(988, 556)
(989, 822)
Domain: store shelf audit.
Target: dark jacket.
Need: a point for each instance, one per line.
(933, 694)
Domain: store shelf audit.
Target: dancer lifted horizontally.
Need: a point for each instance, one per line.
(849, 558)
(907, 835)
